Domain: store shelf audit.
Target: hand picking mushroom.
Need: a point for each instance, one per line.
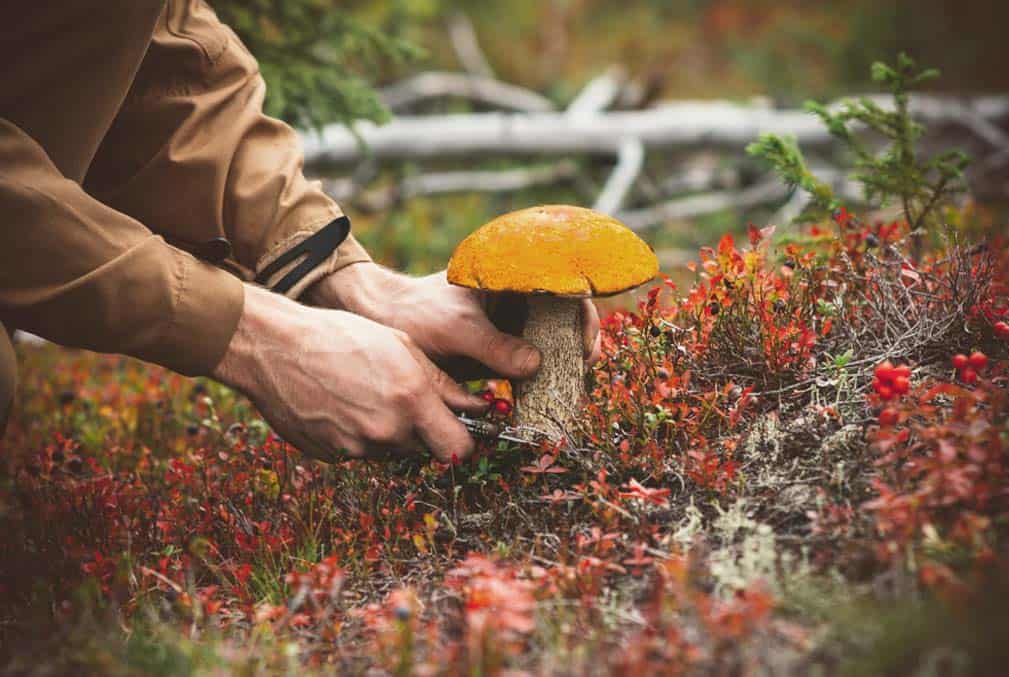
(554, 255)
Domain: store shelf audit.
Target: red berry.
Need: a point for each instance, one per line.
(885, 392)
(888, 416)
(1002, 330)
(978, 360)
(902, 371)
(960, 361)
(885, 371)
(488, 396)
(901, 385)
(968, 375)
(503, 407)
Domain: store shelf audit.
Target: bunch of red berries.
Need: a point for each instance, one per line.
(968, 367)
(891, 381)
(498, 405)
(1002, 330)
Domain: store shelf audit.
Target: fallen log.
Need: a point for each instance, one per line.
(670, 125)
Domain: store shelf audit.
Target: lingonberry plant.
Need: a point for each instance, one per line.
(809, 440)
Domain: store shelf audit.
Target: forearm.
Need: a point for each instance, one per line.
(80, 273)
(193, 156)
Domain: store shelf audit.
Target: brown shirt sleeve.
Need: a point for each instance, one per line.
(193, 157)
(80, 273)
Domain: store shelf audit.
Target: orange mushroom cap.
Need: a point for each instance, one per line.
(553, 249)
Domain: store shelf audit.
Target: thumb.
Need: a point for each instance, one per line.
(507, 355)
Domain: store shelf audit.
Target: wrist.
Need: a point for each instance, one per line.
(362, 288)
(266, 318)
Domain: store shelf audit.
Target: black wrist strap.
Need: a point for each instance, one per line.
(315, 248)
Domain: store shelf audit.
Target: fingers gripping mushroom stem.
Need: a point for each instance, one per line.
(551, 399)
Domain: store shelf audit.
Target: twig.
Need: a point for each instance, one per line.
(630, 160)
(600, 93)
(464, 40)
(436, 84)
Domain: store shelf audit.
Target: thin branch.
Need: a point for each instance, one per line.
(437, 84)
(630, 160)
(600, 93)
(464, 40)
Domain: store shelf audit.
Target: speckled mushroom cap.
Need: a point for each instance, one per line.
(553, 249)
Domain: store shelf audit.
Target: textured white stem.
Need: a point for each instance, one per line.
(551, 399)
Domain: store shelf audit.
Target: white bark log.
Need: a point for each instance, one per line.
(680, 124)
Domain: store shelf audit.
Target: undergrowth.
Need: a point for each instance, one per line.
(786, 468)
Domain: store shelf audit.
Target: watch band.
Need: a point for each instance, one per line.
(316, 248)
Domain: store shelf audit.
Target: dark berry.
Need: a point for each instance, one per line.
(66, 397)
(192, 430)
(779, 306)
(402, 613)
(662, 372)
(714, 308)
(199, 389)
(75, 466)
(871, 241)
(266, 463)
(789, 263)
(655, 331)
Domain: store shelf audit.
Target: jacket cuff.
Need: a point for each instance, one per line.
(207, 307)
(350, 251)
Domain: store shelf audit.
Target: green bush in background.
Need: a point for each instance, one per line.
(319, 56)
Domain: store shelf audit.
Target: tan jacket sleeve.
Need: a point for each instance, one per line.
(80, 273)
(193, 157)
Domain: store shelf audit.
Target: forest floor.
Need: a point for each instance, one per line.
(782, 469)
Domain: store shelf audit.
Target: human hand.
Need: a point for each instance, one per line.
(444, 320)
(331, 381)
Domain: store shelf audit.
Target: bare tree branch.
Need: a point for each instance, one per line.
(436, 84)
(440, 183)
(464, 40)
(600, 93)
(630, 160)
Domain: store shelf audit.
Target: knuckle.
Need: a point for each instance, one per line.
(382, 430)
(403, 337)
(496, 342)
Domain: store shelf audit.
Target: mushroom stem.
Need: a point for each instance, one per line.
(551, 399)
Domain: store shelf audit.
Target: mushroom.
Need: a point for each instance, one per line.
(554, 256)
